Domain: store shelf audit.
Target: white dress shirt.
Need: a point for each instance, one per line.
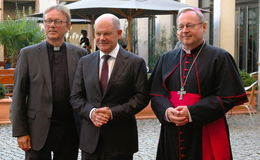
(111, 62)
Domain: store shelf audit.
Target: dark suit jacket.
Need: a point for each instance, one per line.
(31, 108)
(126, 95)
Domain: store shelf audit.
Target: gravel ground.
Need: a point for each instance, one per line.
(244, 134)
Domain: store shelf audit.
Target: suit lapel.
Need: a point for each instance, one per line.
(45, 65)
(71, 62)
(121, 59)
(95, 65)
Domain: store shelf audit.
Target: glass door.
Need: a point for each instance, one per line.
(253, 38)
(247, 37)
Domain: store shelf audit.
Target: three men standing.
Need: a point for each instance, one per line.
(192, 88)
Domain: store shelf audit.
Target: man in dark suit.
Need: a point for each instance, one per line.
(42, 117)
(110, 87)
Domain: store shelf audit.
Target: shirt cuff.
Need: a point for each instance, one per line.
(165, 115)
(111, 114)
(92, 110)
(190, 119)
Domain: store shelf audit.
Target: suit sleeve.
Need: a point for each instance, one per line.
(20, 95)
(78, 93)
(139, 98)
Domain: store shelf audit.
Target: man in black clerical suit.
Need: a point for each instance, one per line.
(110, 87)
(193, 86)
(42, 117)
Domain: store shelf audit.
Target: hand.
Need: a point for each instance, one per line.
(177, 116)
(24, 142)
(184, 111)
(101, 116)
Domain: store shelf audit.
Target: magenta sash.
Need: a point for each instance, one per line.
(215, 143)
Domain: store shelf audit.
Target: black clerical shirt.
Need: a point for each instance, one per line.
(62, 110)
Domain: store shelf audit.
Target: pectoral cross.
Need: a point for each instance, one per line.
(181, 93)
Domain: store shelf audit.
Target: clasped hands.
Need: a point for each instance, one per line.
(101, 116)
(178, 115)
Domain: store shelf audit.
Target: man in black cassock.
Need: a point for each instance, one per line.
(192, 88)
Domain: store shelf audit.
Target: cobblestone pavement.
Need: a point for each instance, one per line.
(244, 134)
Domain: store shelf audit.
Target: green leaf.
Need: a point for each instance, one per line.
(16, 34)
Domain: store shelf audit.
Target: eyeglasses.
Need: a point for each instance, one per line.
(188, 26)
(56, 22)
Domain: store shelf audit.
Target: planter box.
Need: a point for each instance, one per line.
(4, 110)
(146, 113)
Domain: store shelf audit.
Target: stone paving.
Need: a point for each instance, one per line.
(244, 134)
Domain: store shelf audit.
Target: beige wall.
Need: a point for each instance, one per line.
(142, 25)
(43, 4)
(194, 3)
(166, 23)
(164, 26)
(227, 26)
(37, 6)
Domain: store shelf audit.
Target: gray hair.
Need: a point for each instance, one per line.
(59, 7)
(196, 10)
(115, 20)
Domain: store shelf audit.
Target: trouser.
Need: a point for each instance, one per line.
(102, 156)
(61, 144)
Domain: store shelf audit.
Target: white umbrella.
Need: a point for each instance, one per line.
(129, 9)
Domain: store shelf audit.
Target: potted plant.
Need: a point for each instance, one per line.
(4, 106)
(247, 81)
(2, 91)
(246, 78)
(16, 34)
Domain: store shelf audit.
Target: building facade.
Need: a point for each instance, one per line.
(232, 25)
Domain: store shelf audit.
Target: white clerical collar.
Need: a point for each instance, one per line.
(186, 50)
(113, 53)
(56, 48)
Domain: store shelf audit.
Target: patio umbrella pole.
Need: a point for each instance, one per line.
(93, 47)
(129, 34)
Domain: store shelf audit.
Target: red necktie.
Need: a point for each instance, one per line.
(104, 73)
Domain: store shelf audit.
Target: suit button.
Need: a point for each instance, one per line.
(182, 156)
